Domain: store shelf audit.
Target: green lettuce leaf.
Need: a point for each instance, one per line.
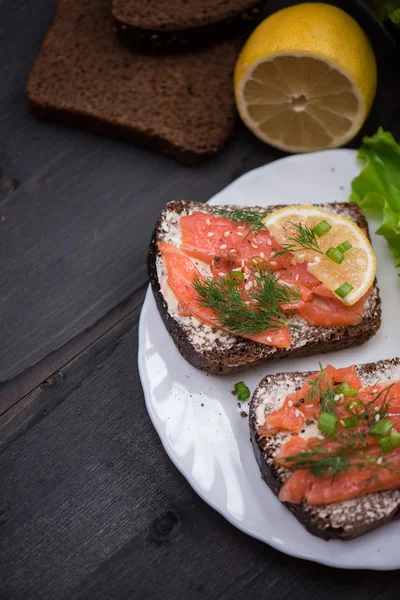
(377, 188)
(392, 10)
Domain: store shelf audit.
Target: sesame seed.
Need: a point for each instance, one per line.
(240, 233)
(377, 417)
(262, 255)
(269, 242)
(240, 227)
(210, 234)
(232, 251)
(227, 233)
(269, 338)
(309, 405)
(379, 460)
(341, 422)
(376, 409)
(296, 413)
(297, 277)
(247, 287)
(208, 222)
(242, 262)
(290, 404)
(222, 247)
(254, 246)
(273, 263)
(221, 274)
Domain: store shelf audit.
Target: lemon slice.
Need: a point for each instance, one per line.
(358, 267)
(306, 78)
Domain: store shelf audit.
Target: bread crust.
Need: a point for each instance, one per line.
(341, 520)
(151, 141)
(246, 353)
(180, 38)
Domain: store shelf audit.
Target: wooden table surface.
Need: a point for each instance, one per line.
(90, 505)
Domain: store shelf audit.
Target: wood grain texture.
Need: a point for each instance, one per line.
(19, 396)
(90, 505)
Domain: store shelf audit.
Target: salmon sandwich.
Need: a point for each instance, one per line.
(328, 445)
(238, 286)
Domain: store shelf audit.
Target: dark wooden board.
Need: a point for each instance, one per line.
(93, 508)
(90, 505)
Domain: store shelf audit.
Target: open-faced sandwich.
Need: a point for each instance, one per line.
(328, 445)
(238, 286)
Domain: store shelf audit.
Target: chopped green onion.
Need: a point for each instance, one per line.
(242, 391)
(342, 387)
(395, 437)
(335, 255)
(353, 405)
(343, 290)
(346, 390)
(322, 228)
(344, 247)
(387, 444)
(235, 277)
(327, 423)
(350, 422)
(381, 428)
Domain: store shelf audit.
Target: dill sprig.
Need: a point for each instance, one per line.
(368, 412)
(323, 460)
(253, 219)
(303, 238)
(320, 391)
(346, 449)
(328, 402)
(261, 312)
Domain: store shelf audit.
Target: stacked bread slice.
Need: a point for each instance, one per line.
(157, 25)
(179, 103)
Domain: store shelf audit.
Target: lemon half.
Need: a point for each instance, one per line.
(359, 265)
(306, 78)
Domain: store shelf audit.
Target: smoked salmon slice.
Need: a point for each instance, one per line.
(227, 245)
(355, 482)
(329, 312)
(207, 237)
(357, 461)
(181, 274)
(299, 406)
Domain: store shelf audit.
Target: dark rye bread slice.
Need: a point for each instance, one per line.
(221, 353)
(181, 105)
(157, 25)
(344, 520)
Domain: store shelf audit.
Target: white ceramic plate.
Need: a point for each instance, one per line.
(198, 419)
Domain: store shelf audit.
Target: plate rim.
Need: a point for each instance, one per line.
(164, 441)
